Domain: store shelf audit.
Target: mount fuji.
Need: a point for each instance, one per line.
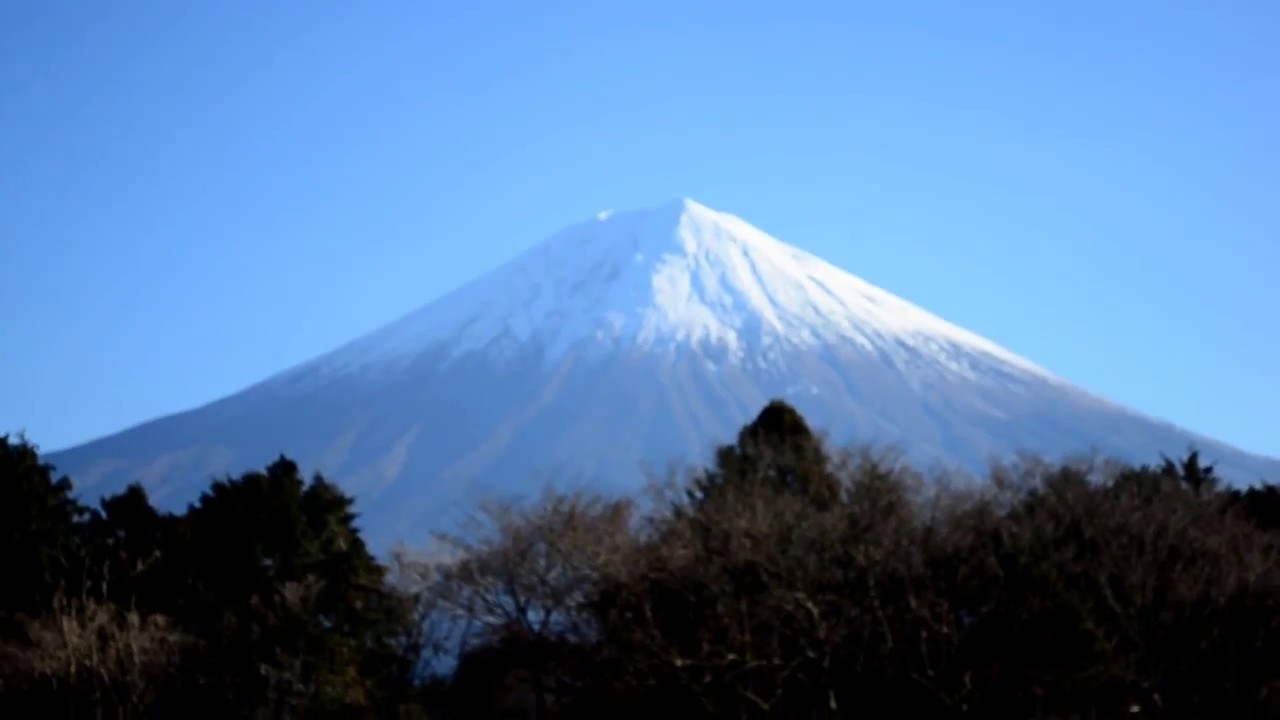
(630, 338)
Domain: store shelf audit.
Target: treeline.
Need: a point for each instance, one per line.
(785, 580)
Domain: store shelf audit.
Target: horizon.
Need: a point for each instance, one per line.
(195, 199)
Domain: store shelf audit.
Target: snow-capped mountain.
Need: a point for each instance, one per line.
(680, 276)
(630, 338)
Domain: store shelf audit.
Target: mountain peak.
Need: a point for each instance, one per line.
(681, 230)
(679, 206)
(679, 223)
(688, 206)
(669, 215)
(678, 276)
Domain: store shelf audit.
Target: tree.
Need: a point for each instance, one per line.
(40, 551)
(72, 636)
(750, 595)
(1260, 506)
(519, 585)
(777, 451)
(293, 609)
(125, 540)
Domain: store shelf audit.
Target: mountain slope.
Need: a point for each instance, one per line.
(632, 337)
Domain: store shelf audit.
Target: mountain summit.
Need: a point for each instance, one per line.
(679, 276)
(629, 338)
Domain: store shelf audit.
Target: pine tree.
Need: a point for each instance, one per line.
(778, 452)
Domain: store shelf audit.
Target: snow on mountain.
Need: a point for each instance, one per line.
(677, 276)
(631, 338)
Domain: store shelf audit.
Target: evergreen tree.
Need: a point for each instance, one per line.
(40, 553)
(776, 451)
(284, 592)
(126, 538)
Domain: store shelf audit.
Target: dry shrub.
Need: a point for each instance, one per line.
(89, 654)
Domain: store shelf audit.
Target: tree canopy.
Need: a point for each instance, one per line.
(787, 579)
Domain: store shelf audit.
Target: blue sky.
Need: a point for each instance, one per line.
(196, 195)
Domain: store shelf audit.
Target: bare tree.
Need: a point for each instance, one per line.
(523, 575)
(432, 634)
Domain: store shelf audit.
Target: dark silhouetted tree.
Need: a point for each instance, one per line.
(291, 607)
(778, 451)
(40, 553)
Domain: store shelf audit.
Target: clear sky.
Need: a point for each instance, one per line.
(194, 195)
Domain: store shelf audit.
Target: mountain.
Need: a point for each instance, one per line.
(632, 337)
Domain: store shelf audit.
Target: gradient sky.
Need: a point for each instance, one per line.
(196, 195)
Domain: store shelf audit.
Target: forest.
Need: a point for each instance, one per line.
(786, 579)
